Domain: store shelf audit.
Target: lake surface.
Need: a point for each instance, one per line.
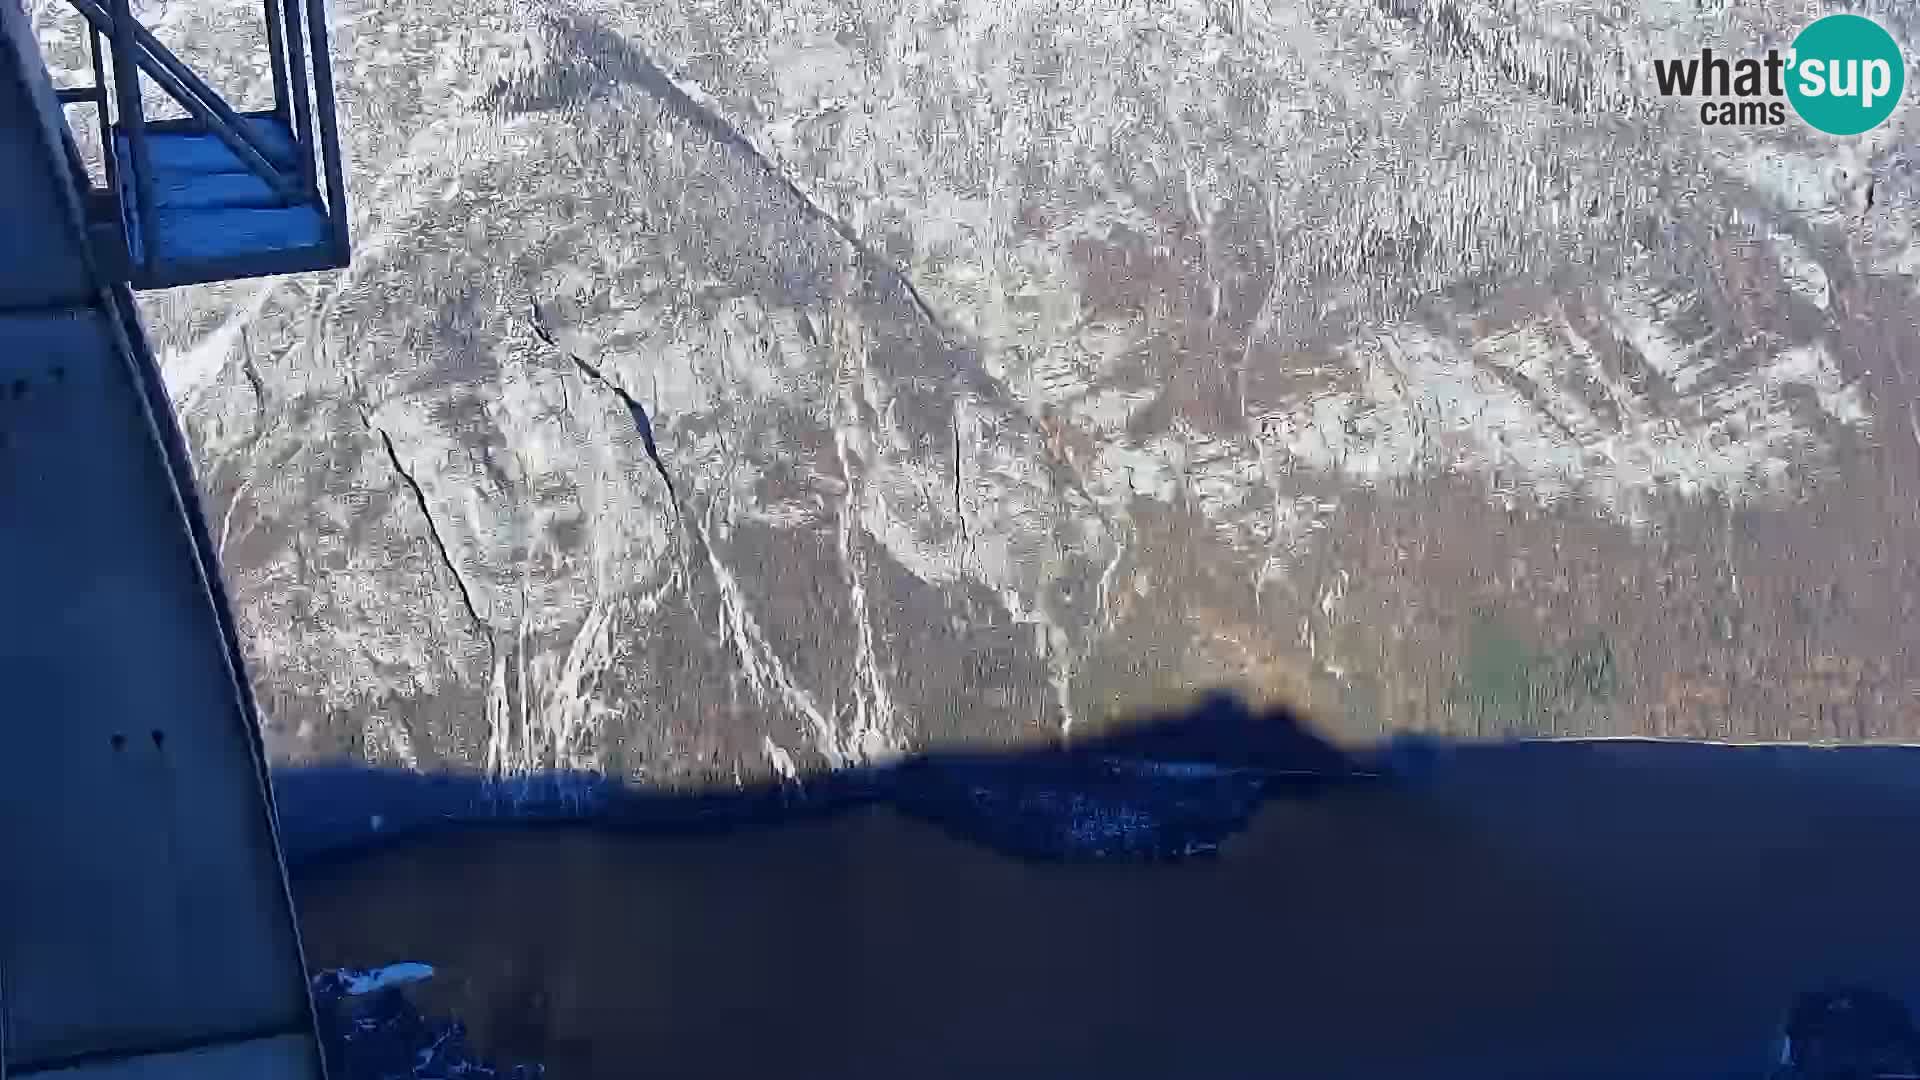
(1597, 911)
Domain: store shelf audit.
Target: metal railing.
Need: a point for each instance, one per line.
(302, 87)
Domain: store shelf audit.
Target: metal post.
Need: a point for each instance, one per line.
(329, 124)
(277, 57)
(76, 164)
(107, 155)
(302, 107)
(133, 125)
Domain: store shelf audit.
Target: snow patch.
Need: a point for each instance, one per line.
(779, 759)
(1535, 409)
(1804, 275)
(1643, 319)
(1814, 367)
(188, 371)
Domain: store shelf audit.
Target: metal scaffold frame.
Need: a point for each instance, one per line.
(310, 172)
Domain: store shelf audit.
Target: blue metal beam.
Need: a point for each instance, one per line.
(146, 928)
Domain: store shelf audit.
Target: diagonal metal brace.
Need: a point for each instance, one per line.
(183, 86)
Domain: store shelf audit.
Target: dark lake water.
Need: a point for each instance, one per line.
(1607, 913)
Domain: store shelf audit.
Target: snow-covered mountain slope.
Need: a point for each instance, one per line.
(1013, 364)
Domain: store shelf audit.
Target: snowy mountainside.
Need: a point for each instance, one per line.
(1015, 364)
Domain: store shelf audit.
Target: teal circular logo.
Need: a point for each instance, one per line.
(1845, 74)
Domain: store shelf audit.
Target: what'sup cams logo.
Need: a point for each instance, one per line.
(1843, 75)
